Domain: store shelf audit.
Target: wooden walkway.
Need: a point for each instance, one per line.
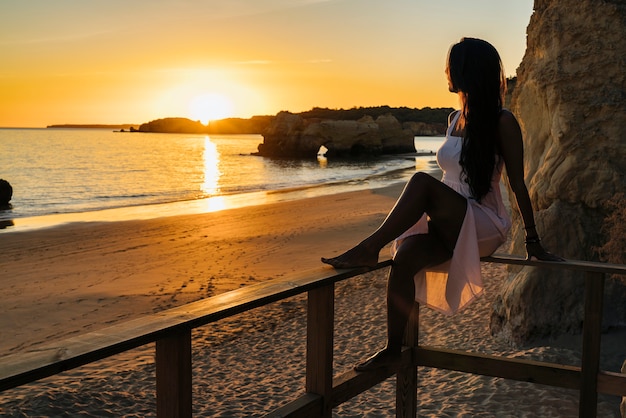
(171, 330)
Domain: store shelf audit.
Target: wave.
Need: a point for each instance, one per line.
(139, 207)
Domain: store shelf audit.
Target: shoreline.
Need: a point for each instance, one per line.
(178, 208)
(219, 202)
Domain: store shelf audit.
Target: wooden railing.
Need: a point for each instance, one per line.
(171, 330)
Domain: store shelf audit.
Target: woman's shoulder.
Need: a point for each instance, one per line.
(506, 116)
(507, 121)
(509, 130)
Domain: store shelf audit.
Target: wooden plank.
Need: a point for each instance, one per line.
(173, 376)
(592, 326)
(351, 383)
(50, 359)
(509, 368)
(406, 379)
(612, 383)
(568, 377)
(305, 406)
(565, 265)
(319, 344)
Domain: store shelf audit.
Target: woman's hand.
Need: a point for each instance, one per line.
(535, 250)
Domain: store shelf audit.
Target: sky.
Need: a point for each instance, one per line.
(133, 61)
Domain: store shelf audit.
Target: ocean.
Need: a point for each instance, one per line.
(68, 175)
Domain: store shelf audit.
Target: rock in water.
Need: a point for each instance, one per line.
(570, 99)
(292, 136)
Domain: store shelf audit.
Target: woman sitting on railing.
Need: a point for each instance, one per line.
(441, 228)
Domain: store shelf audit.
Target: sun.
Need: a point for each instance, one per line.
(210, 106)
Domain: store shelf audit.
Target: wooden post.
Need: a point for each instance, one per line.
(319, 352)
(592, 327)
(173, 376)
(406, 378)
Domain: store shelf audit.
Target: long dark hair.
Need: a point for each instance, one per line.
(475, 72)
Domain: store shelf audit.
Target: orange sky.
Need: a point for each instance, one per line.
(120, 61)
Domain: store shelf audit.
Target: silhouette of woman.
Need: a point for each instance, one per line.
(440, 229)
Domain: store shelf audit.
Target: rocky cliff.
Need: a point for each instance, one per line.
(570, 99)
(290, 135)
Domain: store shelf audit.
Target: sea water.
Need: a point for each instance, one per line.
(62, 175)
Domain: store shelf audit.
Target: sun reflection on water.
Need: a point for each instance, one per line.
(212, 172)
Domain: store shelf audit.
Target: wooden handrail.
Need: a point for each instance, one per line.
(44, 361)
(590, 266)
(171, 330)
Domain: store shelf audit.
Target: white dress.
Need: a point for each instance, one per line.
(451, 286)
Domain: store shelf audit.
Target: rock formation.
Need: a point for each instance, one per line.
(173, 125)
(6, 193)
(228, 126)
(290, 135)
(570, 99)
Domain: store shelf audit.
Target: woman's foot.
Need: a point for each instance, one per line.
(359, 256)
(383, 358)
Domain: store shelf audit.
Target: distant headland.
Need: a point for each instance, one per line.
(431, 121)
(125, 126)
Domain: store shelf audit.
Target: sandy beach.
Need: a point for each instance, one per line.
(80, 277)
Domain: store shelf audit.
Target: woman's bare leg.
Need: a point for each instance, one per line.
(422, 194)
(414, 254)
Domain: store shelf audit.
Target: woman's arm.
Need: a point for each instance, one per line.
(511, 148)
